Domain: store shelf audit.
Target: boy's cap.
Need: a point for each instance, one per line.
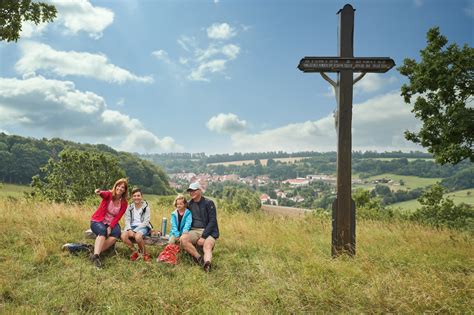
(193, 186)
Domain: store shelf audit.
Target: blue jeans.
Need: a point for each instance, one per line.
(100, 228)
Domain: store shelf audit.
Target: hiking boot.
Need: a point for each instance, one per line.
(146, 258)
(96, 261)
(199, 261)
(134, 256)
(207, 266)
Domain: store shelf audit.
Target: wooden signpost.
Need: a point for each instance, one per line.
(343, 208)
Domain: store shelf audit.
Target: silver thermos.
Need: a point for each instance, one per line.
(163, 226)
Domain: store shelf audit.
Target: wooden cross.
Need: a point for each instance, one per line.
(343, 208)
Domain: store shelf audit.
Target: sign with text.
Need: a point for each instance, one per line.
(336, 64)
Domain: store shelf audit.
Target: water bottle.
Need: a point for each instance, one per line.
(163, 226)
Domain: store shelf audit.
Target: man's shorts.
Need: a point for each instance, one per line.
(195, 234)
(145, 230)
(100, 228)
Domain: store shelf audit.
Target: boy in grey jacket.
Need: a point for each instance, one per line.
(137, 225)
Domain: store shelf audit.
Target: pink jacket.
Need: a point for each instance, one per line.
(99, 214)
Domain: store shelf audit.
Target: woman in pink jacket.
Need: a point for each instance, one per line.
(104, 221)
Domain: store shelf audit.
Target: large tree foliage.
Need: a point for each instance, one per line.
(443, 83)
(76, 175)
(14, 12)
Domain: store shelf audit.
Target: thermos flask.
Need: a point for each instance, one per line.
(163, 226)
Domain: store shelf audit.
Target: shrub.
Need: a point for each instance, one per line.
(442, 212)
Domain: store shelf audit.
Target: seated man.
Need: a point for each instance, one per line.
(204, 230)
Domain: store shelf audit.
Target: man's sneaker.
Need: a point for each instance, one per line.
(96, 261)
(134, 256)
(199, 261)
(146, 258)
(207, 266)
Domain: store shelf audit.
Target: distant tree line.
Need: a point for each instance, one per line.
(22, 158)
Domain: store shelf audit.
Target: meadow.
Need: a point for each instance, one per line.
(410, 182)
(262, 264)
(465, 195)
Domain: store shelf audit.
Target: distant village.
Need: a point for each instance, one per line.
(181, 180)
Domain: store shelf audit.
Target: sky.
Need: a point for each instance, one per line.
(214, 76)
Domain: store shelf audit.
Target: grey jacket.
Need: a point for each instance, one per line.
(144, 216)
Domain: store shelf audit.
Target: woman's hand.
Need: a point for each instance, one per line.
(97, 191)
(109, 230)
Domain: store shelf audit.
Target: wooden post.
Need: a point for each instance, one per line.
(343, 208)
(343, 239)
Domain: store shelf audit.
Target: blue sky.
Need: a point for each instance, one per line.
(213, 76)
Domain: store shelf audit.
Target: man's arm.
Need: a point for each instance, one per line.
(212, 215)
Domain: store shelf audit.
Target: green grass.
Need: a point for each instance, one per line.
(262, 264)
(457, 196)
(411, 182)
(13, 190)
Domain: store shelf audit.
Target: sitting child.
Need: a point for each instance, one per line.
(137, 225)
(181, 219)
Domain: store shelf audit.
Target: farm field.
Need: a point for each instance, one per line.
(466, 196)
(262, 264)
(13, 190)
(411, 182)
(262, 161)
(409, 159)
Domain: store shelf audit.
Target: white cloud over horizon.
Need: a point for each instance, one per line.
(56, 108)
(226, 123)
(378, 124)
(41, 57)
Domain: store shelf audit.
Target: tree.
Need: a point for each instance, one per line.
(75, 175)
(443, 82)
(14, 12)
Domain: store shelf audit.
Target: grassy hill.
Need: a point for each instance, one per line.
(466, 196)
(263, 264)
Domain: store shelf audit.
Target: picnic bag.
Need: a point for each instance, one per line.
(169, 254)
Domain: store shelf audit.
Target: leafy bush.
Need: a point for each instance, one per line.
(76, 175)
(370, 207)
(442, 212)
(239, 199)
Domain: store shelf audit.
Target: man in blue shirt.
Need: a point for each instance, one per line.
(204, 230)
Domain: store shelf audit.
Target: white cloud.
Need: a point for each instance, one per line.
(56, 108)
(81, 15)
(373, 82)
(199, 73)
(220, 31)
(187, 43)
(199, 63)
(378, 124)
(161, 55)
(37, 56)
(30, 29)
(226, 123)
